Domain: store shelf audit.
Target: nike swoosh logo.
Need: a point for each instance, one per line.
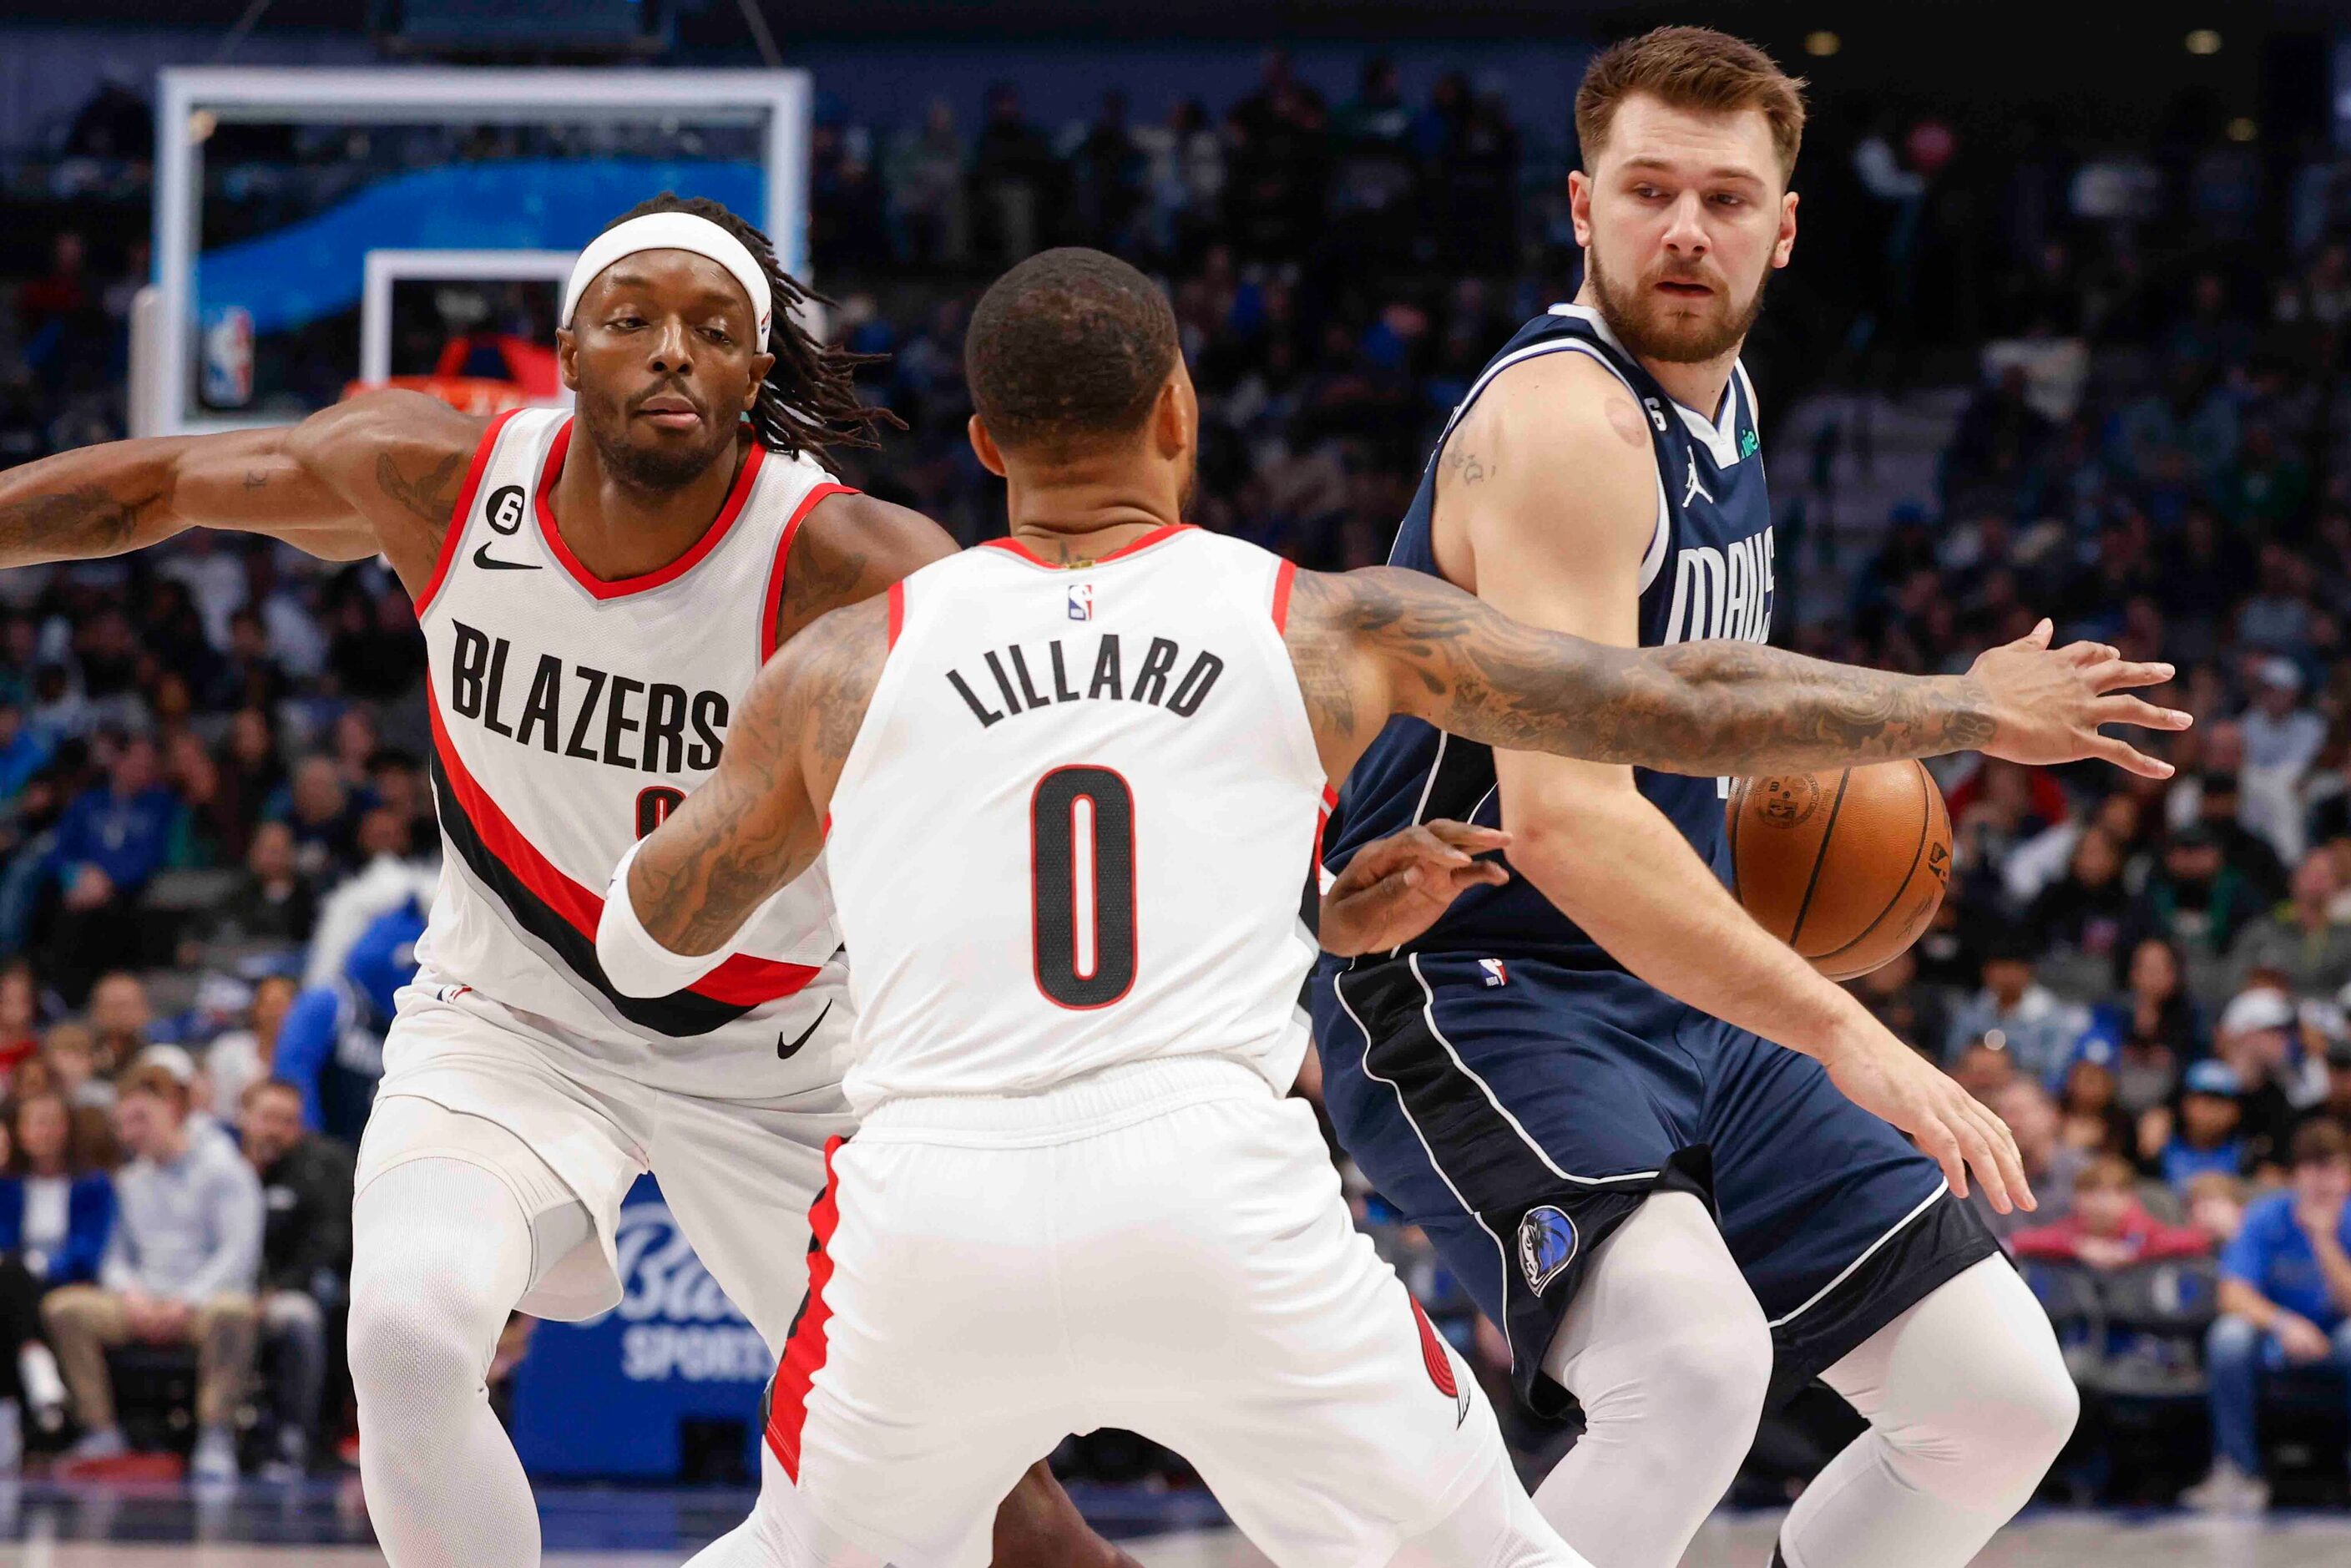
(785, 1053)
(488, 562)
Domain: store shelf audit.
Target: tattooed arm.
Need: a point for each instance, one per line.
(378, 473)
(679, 897)
(1381, 639)
(848, 549)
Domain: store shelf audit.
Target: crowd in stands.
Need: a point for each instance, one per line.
(210, 754)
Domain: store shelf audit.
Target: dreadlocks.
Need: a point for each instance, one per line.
(809, 402)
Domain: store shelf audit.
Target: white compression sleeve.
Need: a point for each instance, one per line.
(441, 1251)
(1969, 1403)
(636, 964)
(1667, 1352)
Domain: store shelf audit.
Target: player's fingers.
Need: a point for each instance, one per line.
(2039, 636)
(2012, 1160)
(1469, 835)
(2085, 655)
(1935, 1140)
(2129, 759)
(2116, 675)
(2136, 710)
(1978, 1148)
(1478, 873)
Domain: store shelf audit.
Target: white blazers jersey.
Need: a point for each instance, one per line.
(1073, 830)
(569, 715)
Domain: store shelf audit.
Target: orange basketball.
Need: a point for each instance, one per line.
(1845, 866)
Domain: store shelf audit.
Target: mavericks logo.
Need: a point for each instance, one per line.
(1547, 1244)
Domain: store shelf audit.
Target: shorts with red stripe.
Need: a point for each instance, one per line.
(1162, 1247)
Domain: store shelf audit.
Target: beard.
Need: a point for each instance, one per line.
(1645, 323)
(657, 469)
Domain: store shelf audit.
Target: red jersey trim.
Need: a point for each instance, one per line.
(897, 611)
(771, 617)
(1281, 581)
(461, 511)
(804, 1348)
(742, 980)
(552, 470)
(1159, 535)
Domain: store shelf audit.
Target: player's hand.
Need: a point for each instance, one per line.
(2048, 703)
(1952, 1127)
(2301, 1339)
(1394, 888)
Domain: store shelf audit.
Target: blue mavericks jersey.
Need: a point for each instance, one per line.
(1708, 574)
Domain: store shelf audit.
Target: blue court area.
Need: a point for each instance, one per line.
(324, 1523)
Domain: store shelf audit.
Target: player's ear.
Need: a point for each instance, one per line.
(1176, 416)
(1579, 205)
(984, 446)
(1786, 244)
(760, 365)
(566, 357)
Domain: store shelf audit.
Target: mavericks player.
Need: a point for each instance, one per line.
(596, 594)
(1065, 787)
(1568, 1080)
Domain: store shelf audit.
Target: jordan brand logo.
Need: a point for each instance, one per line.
(1696, 488)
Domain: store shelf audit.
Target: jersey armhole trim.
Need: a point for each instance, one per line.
(461, 511)
(897, 625)
(771, 609)
(1283, 577)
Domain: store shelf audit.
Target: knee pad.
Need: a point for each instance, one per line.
(440, 1254)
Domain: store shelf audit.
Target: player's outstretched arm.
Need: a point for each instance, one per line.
(1424, 647)
(379, 473)
(681, 893)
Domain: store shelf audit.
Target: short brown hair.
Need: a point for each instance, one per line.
(2320, 1141)
(154, 1078)
(2107, 1173)
(1693, 68)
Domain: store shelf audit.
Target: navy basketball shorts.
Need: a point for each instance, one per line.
(1518, 1112)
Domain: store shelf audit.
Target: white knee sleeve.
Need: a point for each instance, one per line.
(441, 1250)
(1669, 1353)
(1969, 1402)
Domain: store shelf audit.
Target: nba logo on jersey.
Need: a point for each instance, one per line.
(1495, 974)
(1547, 1243)
(1082, 602)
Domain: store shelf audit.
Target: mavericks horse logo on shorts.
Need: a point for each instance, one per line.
(1547, 1242)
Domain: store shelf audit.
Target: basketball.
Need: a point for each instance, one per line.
(1846, 866)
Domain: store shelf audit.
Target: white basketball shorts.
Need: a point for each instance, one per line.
(738, 1176)
(1161, 1248)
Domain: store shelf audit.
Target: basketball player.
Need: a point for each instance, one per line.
(596, 591)
(1569, 1081)
(1063, 786)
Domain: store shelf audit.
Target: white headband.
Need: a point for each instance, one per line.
(672, 231)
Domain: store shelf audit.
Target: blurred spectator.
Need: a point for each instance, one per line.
(70, 1054)
(121, 1021)
(1984, 1070)
(2302, 941)
(2206, 1134)
(317, 807)
(111, 843)
(2036, 1028)
(926, 188)
(243, 1056)
(180, 1269)
(1014, 179)
(2215, 1205)
(2107, 1226)
(2285, 1301)
(2155, 1026)
(2090, 1111)
(331, 1047)
(57, 1215)
(20, 1018)
(274, 902)
(2198, 903)
(1914, 1013)
(2051, 1166)
(2077, 923)
(25, 750)
(305, 1257)
(2262, 1038)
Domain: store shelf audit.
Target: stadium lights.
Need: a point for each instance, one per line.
(2204, 41)
(1823, 43)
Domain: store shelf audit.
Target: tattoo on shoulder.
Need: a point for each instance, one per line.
(1469, 466)
(834, 673)
(430, 494)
